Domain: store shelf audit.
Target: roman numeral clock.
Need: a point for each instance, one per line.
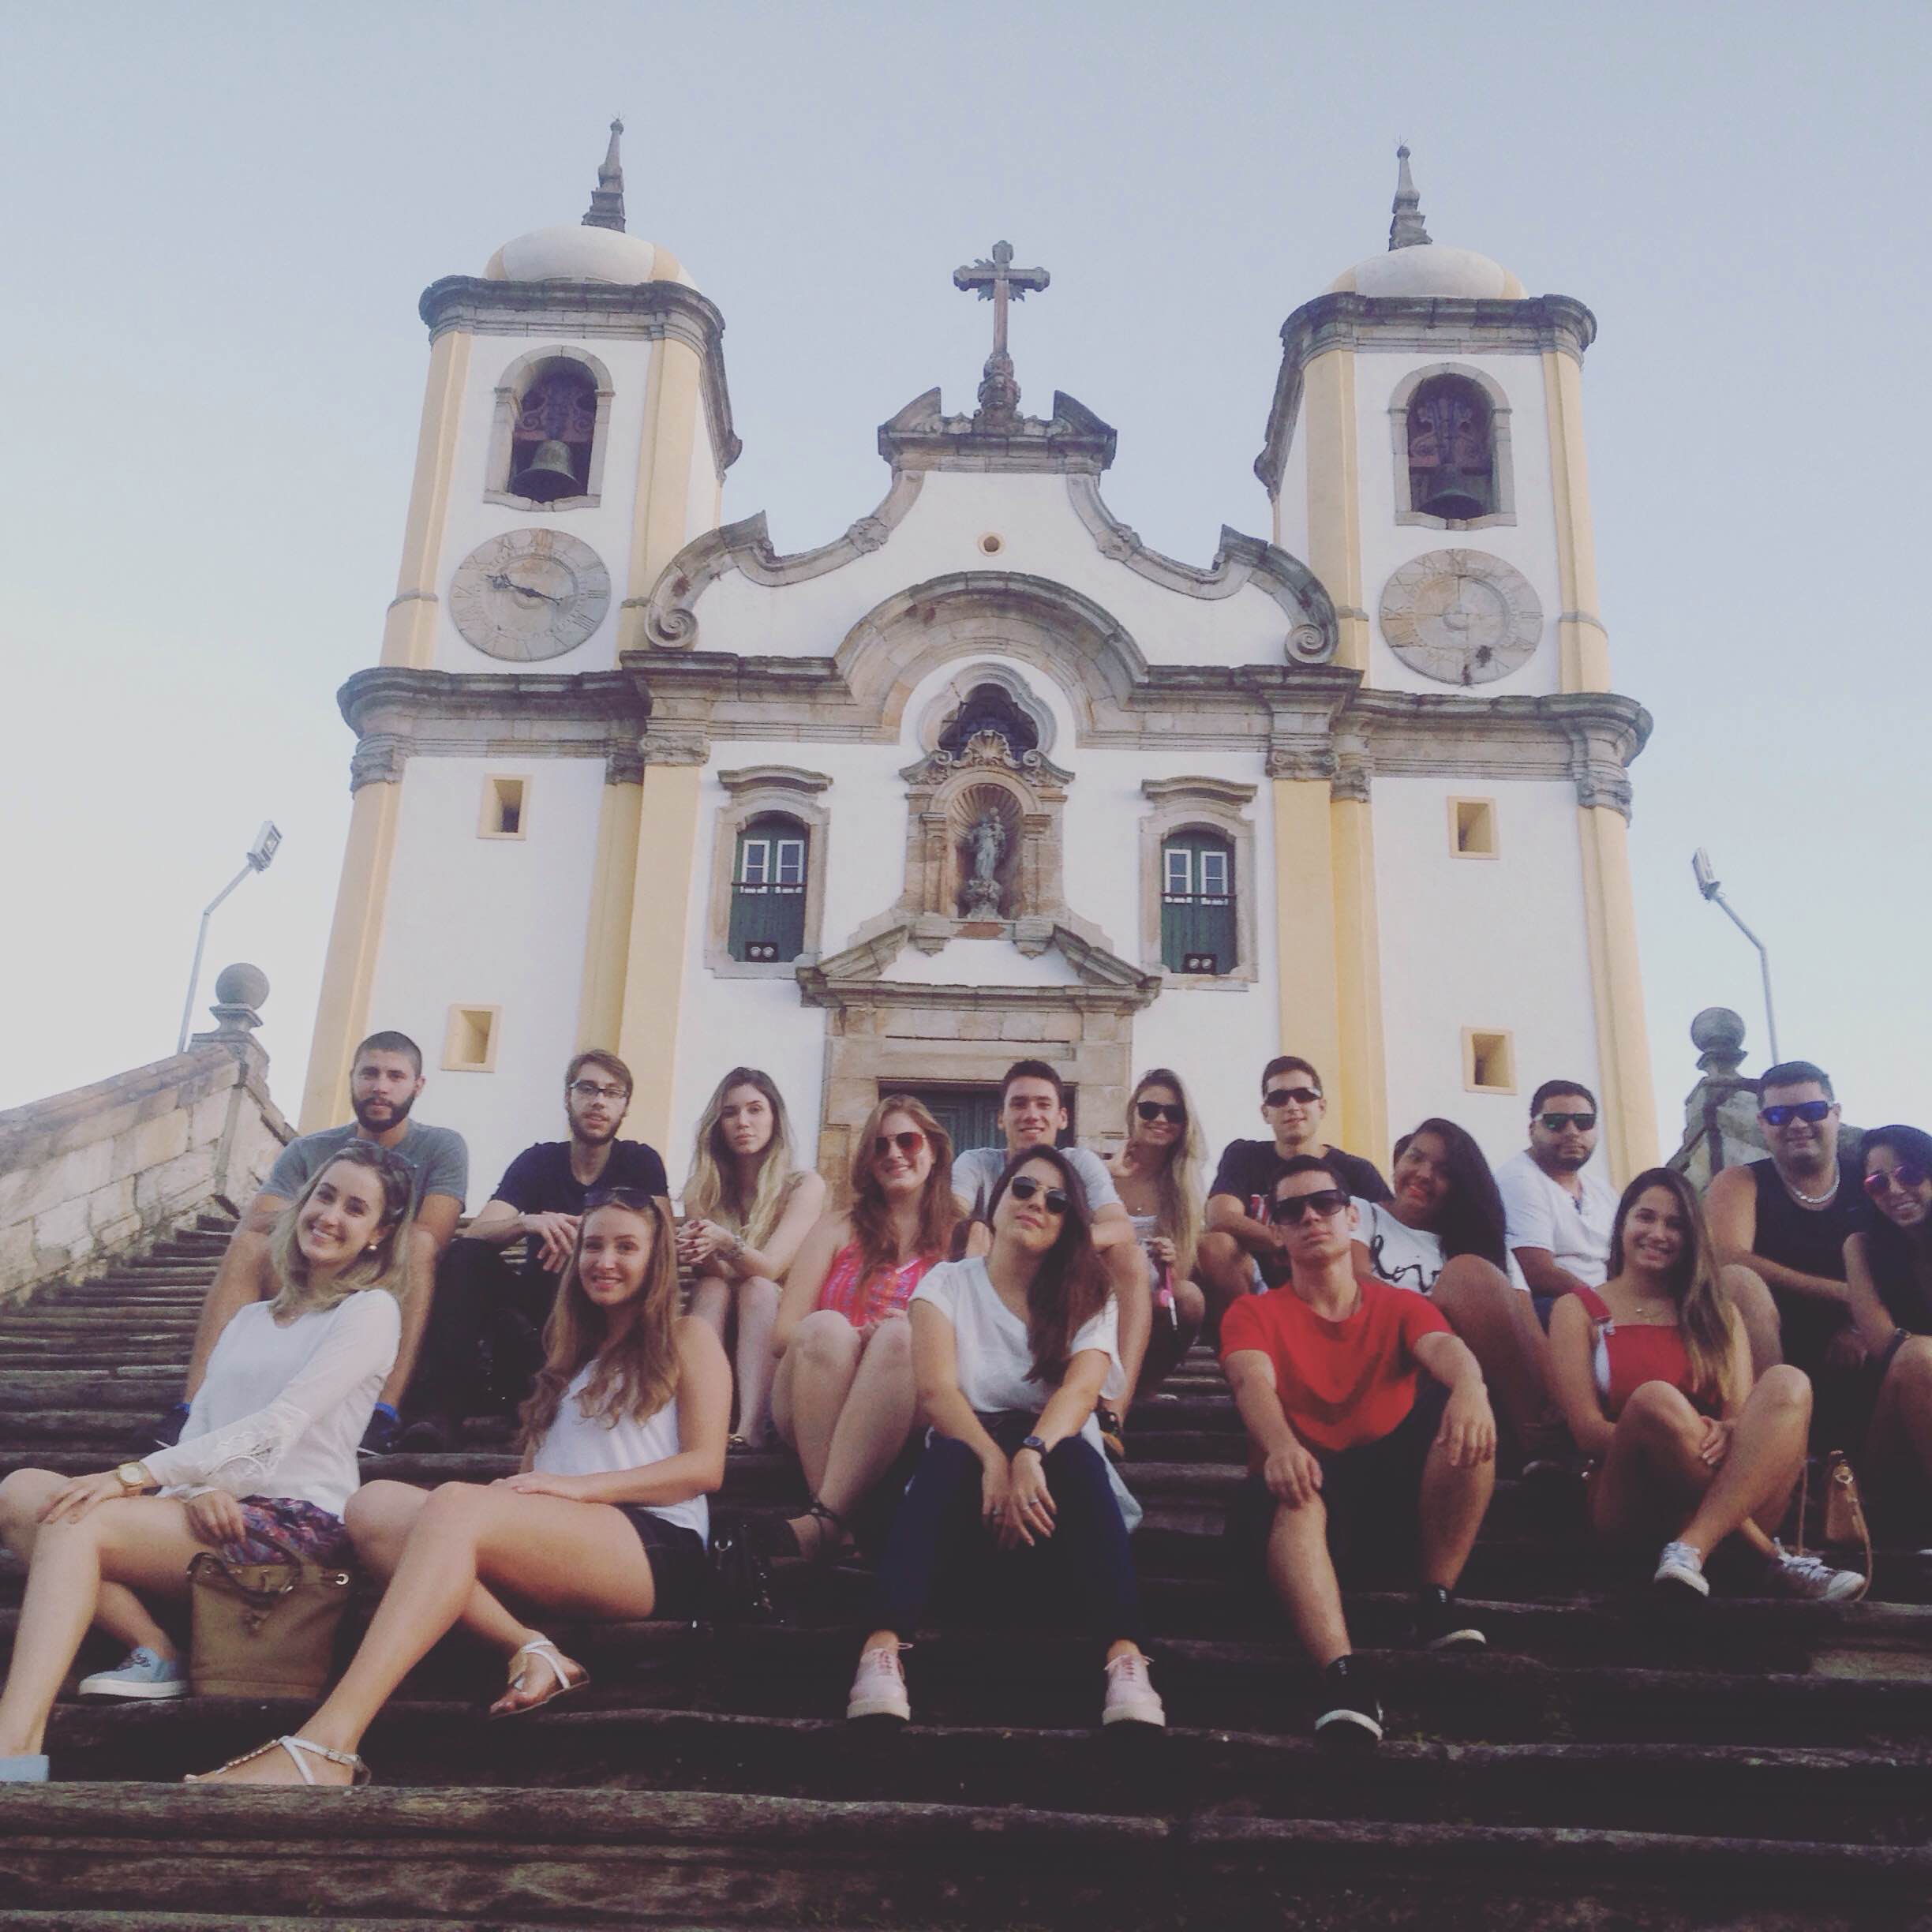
(529, 595)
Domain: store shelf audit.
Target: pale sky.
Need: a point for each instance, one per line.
(220, 217)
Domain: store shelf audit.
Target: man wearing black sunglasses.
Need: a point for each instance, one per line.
(1555, 1200)
(1242, 1251)
(1366, 1417)
(1787, 1218)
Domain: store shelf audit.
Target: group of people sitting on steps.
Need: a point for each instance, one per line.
(953, 1355)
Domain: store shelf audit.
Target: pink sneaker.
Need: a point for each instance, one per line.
(879, 1689)
(1131, 1697)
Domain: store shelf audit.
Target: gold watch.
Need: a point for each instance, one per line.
(133, 1477)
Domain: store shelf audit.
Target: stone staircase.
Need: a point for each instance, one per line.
(1760, 1763)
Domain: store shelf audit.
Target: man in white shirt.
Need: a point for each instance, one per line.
(1558, 1207)
(1033, 1112)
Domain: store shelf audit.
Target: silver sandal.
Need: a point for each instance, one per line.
(300, 1750)
(559, 1667)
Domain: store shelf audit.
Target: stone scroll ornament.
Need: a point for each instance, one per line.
(1461, 616)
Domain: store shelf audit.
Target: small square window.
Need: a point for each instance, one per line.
(1488, 1061)
(504, 808)
(1473, 828)
(469, 1045)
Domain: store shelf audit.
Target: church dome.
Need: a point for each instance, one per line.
(594, 249)
(1414, 265)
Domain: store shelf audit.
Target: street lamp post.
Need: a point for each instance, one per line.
(267, 839)
(1707, 884)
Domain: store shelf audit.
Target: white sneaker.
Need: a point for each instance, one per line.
(1682, 1566)
(1131, 1699)
(141, 1673)
(879, 1688)
(1811, 1579)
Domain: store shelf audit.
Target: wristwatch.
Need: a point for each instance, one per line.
(1034, 1443)
(133, 1477)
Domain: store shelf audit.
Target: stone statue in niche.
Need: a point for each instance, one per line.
(984, 845)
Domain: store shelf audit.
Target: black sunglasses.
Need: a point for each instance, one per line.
(908, 1143)
(1053, 1199)
(1905, 1176)
(619, 1197)
(1811, 1110)
(1288, 1209)
(1280, 1096)
(1556, 1123)
(1161, 1110)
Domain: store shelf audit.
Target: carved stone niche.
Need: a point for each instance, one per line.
(985, 782)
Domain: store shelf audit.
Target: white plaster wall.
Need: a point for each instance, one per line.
(700, 505)
(1042, 537)
(1489, 943)
(1291, 505)
(1529, 543)
(606, 529)
(483, 922)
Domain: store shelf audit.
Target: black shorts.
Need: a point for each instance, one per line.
(1370, 1493)
(677, 1561)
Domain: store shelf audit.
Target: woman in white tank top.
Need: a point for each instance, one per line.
(606, 1518)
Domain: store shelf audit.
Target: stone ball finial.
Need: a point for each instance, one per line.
(241, 985)
(1718, 1035)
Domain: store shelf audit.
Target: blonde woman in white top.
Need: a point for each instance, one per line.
(606, 1518)
(265, 1466)
(747, 1210)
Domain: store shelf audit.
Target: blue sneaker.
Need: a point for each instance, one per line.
(140, 1674)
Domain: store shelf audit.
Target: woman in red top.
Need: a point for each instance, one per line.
(844, 1395)
(1654, 1375)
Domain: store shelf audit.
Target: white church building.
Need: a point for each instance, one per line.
(986, 777)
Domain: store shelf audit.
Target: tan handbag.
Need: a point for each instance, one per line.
(264, 1630)
(1844, 1527)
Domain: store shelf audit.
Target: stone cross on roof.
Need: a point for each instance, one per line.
(995, 281)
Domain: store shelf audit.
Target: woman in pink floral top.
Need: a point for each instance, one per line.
(843, 1396)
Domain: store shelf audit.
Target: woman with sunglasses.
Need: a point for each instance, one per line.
(1442, 1235)
(1157, 1176)
(1888, 1291)
(844, 1395)
(624, 1439)
(1654, 1370)
(1010, 1349)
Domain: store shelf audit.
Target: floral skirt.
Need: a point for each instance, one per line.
(280, 1527)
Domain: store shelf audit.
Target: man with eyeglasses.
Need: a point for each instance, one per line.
(1787, 1218)
(1556, 1203)
(1242, 1252)
(486, 1329)
(1368, 1425)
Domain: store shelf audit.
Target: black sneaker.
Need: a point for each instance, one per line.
(432, 1434)
(1441, 1623)
(168, 1431)
(1353, 1714)
(380, 1438)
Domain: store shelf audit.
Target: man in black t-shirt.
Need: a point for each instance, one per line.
(1242, 1252)
(489, 1313)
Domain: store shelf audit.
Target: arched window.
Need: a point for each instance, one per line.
(768, 891)
(554, 426)
(1198, 932)
(1452, 467)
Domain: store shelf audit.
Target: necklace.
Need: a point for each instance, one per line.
(1813, 1201)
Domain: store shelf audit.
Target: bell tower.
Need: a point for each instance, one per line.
(576, 429)
(1424, 453)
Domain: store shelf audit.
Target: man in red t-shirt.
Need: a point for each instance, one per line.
(1346, 1435)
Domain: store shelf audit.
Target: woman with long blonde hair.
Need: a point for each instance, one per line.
(843, 1396)
(1653, 1371)
(1158, 1174)
(265, 1468)
(624, 1439)
(746, 1209)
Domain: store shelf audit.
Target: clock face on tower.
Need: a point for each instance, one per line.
(529, 595)
(1461, 616)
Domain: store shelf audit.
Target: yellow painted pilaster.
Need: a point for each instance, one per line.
(1582, 641)
(342, 1013)
(660, 919)
(659, 521)
(1361, 1123)
(1335, 496)
(409, 633)
(1616, 984)
(607, 946)
(1304, 933)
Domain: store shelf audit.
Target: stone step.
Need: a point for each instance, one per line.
(622, 1858)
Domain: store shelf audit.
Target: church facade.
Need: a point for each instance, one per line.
(987, 777)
